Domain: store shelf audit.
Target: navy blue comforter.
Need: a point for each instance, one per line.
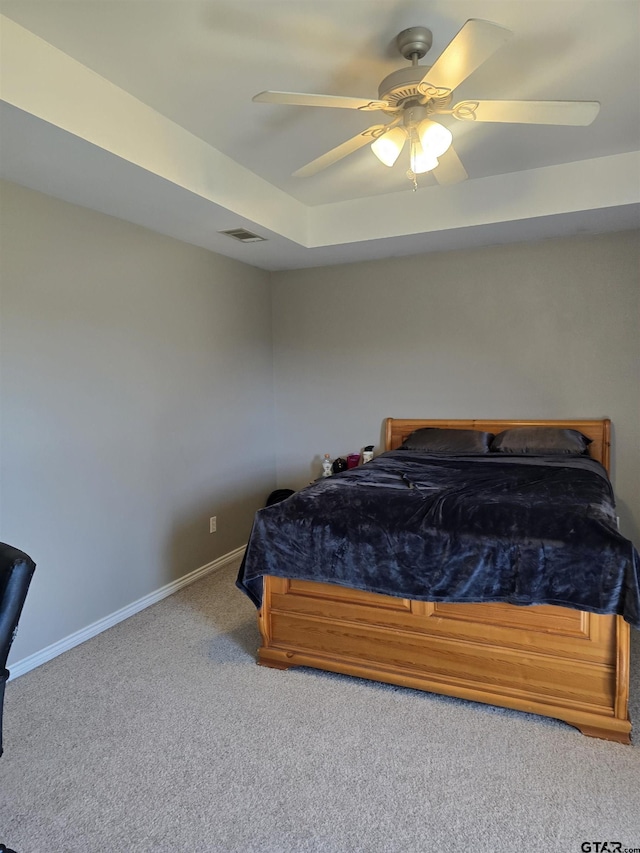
(521, 530)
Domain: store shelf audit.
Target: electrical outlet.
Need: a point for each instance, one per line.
(213, 524)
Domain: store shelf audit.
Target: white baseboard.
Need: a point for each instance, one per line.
(52, 651)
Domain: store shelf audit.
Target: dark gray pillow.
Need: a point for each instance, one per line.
(541, 441)
(453, 442)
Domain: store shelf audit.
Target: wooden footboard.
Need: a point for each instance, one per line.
(545, 660)
(553, 661)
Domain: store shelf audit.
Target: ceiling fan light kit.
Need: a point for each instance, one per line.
(434, 137)
(388, 147)
(428, 141)
(412, 96)
(420, 161)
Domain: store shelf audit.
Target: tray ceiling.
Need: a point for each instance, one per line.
(143, 110)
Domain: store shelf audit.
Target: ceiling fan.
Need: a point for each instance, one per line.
(412, 96)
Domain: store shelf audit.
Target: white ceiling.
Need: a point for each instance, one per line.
(142, 109)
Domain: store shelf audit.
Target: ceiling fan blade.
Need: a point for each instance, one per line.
(304, 100)
(474, 43)
(369, 135)
(579, 113)
(450, 169)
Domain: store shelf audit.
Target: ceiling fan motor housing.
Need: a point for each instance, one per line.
(400, 89)
(401, 85)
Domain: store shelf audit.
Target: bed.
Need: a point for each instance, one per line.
(566, 662)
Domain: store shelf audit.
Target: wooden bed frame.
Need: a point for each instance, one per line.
(547, 660)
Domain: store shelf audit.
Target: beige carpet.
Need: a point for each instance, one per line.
(162, 734)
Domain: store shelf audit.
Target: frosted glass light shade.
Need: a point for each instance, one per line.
(388, 147)
(421, 160)
(434, 137)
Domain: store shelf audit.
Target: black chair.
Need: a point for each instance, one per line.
(16, 571)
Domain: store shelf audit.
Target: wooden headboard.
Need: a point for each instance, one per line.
(397, 429)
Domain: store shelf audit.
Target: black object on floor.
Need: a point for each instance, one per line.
(16, 571)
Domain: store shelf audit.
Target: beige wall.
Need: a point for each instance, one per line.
(136, 391)
(546, 330)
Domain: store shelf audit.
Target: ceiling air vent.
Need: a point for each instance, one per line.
(243, 235)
